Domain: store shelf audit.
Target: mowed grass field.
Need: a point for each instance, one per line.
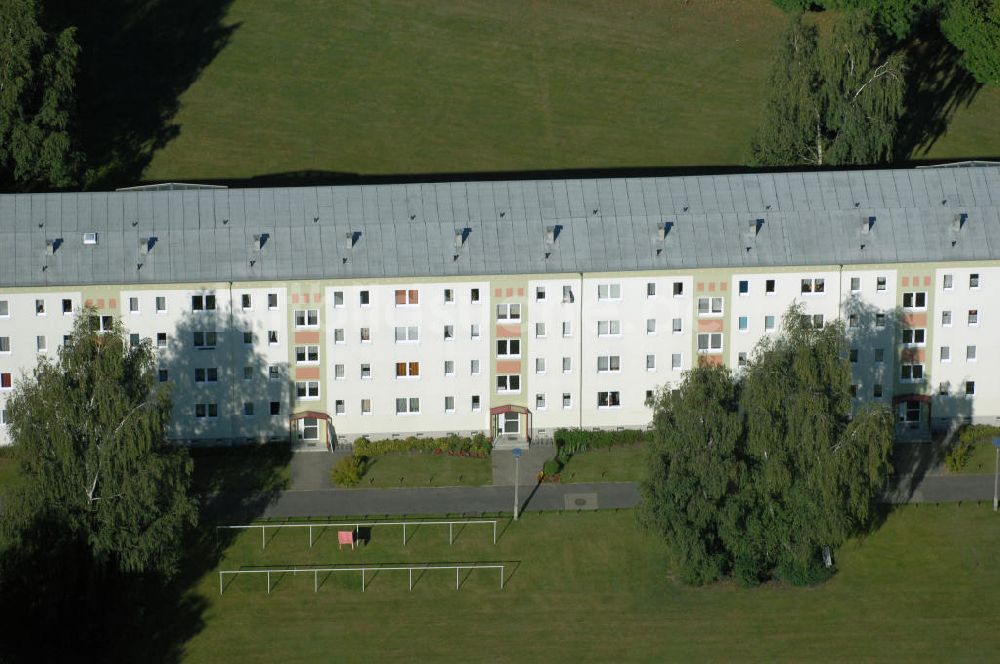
(425, 86)
(590, 587)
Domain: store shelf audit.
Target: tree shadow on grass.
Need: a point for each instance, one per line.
(137, 57)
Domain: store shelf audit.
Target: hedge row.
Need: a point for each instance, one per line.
(961, 449)
(478, 445)
(572, 441)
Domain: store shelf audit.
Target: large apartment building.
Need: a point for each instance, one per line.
(320, 314)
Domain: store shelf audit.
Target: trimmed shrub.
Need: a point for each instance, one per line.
(348, 470)
(551, 468)
(968, 437)
(478, 446)
(572, 441)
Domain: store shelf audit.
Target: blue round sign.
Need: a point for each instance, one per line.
(996, 442)
(517, 451)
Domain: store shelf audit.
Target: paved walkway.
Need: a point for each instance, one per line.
(532, 460)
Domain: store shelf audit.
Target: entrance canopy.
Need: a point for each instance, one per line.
(317, 415)
(507, 420)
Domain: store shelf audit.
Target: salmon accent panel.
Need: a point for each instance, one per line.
(915, 320)
(520, 292)
(295, 298)
(710, 325)
(100, 303)
(307, 373)
(700, 286)
(508, 366)
(927, 281)
(88, 303)
(723, 286)
(317, 297)
(711, 287)
(496, 292)
(917, 355)
(508, 331)
(710, 360)
(510, 292)
(113, 303)
(307, 337)
(906, 282)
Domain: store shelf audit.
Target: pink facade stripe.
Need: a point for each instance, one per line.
(508, 366)
(508, 331)
(307, 337)
(307, 373)
(710, 325)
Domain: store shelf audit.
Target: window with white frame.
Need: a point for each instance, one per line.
(366, 371)
(273, 372)
(855, 284)
(567, 400)
(974, 280)
(879, 321)
(39, 307)
(474, 331)
(309, 428)
(539, 330)
(3, 416)
(743, 323)
(743, 287)
(539, 293)
(650, 362)
(853, 321)
(205, 302)
(509, 311)
(248, 337)
(407, 369)
(474, 295)
(813, 286)
(449, 332)
(449, 404)
(272, 301)
(407, 334)
(914, 336)
(338, 335)
(609, 291)
(366, 335)
(970, 353)
(508, 383)
(947, 282)
(539, 401)
(248, 373)
(567, 328)
(946, 318)
(650, 289)
(307, 354)
(475, 402)
(161, 304)
(339, 407)
(678, 288)
(540, 365)
(133, 305)
(879, 355)
(133, 340)
(4, 344)
(474, 367)
(911, 372)
(677, 325)
(204, 339)
(246, 301)
(162, 375)
(675, 361)
(970, 388)
(852, 355)
(508, 348)
(4, 309)
(567, 294)
(710, 342)
(973, 316)
(609, 363)
(449, 296)
(609, 328)
(338, 299)
(339, 372)
(945, 353)
(880, 283)
(272, 337)
(407, 297)
(307, 389)
(610, 399)
(307, 318)
(161, 339)
(449, 367)
(206, 375)
(365, 298)
(407, 405)
(915, 300)
(366, 406)
(41, 343)
(709, 306)
(209, 410)
(650, 326)
(5, 380)
(274, 408)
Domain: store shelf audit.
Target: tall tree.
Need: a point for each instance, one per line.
(89, 432)
(37, 99)
(832, 103)
(974, 27)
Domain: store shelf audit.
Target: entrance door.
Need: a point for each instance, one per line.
(511, 423)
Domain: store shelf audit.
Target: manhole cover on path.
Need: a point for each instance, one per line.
(581, 501)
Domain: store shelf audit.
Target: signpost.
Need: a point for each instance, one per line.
(517, 480)
(996, 475)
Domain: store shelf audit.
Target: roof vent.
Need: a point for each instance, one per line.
(753, 228)
(52, 246)
(90, 238)
(663, 230)
(867, 225)
(460, 235)
(146, 244)
(260, 240)
(958, 222)
(352, 237)
(552, 233)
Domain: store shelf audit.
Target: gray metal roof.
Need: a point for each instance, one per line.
(408, 230)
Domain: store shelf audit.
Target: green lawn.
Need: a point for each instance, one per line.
(396, 470)
(418, 86)
(982, 461)
(590, 587)
(615, 464)
(244, 467)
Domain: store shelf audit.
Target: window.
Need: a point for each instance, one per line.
(946, 318)
(879, 321)
(474, 331)
(608, 400)
(366, 406)
(161, 375)
(407, 369)
(567, 400)
(366, 370)
(567, 328)
(743, 286)
(567, 364)
(609, 291)
(203, 302)
(449, 367)
(247, 373)
(768, 323)
(273, 372)
(650, 289)
(709, 343)
(338, 335)
(408, 334)
(449, 296)
(853, 355)
(161, 304)
(970, 353)
(947, 282)
(4, 344)
(133, 340)
(879, 355)
(307, 318)
(677, 325)
(307, 389)
(911, 372)
(310, 428)
(5, 380)
(508, 312)
(272, 337)
(743, 323)
(4, 308)
(508, 347)
(855, 284)
(365, 298)
(769, 287)
(650, 363)
(366, 335)
(539, 402)
(650, 326)
(945, 353)
(275, 408)
(204, 339)
(916, 300)
(248, 409)
(103, 323)
(709, 306)
(206, 375)
(973, 316)
(338, 407)
(474, 367)
(675, 361)
(539, 293)
(39, 307)
(161, 339)
(338, 299)
(272, 301)
(449, 404)
(914, 337)
(133, 305)
(880, 283)
(206, 410)
(449, 332)
(407, 298)
(567, 294)
(741, 359)
(508, 383)
(852, 321)
(970, 387)
(248, 337)
(407, 406)
(678, 288)
(609, 363)
(540, 365)
(246, 302)
(539, 330)
(475, 402)
(474, 295)
(307, 354)
(816, 320)
(607, 328)
(877, 390)
(853, 389)
(813, 285)
(974, 280)
(41, 345)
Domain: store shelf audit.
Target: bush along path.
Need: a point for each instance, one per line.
(412, 461)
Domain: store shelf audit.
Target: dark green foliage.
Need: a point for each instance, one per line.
(974, 27)
(349, 470)
(835, 103)
(477, 445)
(752, 477)
(551, 468)
(37, 99)
(967, 438)
(571, 441)
(96, 468)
